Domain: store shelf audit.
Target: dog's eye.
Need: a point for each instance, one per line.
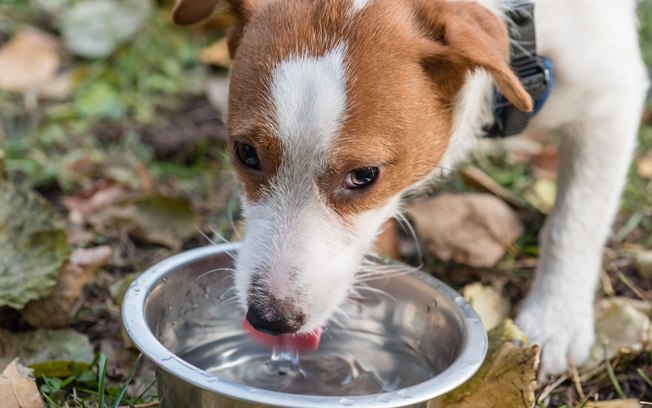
(361, 177)
(247, 155)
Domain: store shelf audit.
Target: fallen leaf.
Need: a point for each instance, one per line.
(18, 388)
(65, 349)
(217, 93)
(507, 378)
(644, 264)
(29, 60)
(217, 54)
(387, 241)
(33, 246)
(95, 28)
(54, 309)
(100, 195)
(542, 194)
(628, 403)
(488, 302)
(157, 219)
(470, 229)
(545, 163)
(644, 166)
(622, 325)
(478, 180)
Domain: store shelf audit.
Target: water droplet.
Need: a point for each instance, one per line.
(384, 398)
(346, 402)
(404, 394)
(164, 279)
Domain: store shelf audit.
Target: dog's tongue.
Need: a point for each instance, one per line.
(295, 342)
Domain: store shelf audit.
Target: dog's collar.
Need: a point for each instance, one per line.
(535, 73)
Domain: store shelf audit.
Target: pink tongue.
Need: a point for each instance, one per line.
(295, 342)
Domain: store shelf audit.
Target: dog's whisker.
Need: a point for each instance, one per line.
(211, 271)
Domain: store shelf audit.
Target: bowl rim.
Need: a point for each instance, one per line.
(471, 356)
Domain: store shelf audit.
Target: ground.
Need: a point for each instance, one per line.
(120, 140)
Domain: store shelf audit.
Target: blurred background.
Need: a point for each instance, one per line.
(112, 158)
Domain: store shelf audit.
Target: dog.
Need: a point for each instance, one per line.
(339, 107)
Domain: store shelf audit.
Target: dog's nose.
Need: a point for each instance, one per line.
(277, 318)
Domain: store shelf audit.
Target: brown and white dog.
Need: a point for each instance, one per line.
(339, 107)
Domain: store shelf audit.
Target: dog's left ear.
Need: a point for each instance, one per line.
(187, 12)
(463, 36)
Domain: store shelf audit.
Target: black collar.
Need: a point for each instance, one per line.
(535, 73)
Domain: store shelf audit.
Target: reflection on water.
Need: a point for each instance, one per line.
(346, 363)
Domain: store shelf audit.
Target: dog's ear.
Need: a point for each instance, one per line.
(464, 36)
(187, 12)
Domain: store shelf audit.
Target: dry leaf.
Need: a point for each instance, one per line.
(488, 302)
(66, 350)
(644, 264)
(628, 403)
(29, 60)
(54, 310)
(621, 325)
(217, 92)
(478, 180)
(18, 388)
(217, 54)
(388, 240)
(644, 165)
(470, 229)
(545, 163)
(157, 219)
(507, 377)
(103, 193)
(542, 195)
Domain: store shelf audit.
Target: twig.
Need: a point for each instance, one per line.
(576, 380)
(551, 387)
(150, 404)
(624, 279)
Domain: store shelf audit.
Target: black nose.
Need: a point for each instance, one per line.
(275, 318)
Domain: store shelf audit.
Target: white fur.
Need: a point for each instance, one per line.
(301, 249)
(600, 84)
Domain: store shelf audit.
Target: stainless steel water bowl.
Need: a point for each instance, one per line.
(179, 305)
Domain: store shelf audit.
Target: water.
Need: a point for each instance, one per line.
(347, 363)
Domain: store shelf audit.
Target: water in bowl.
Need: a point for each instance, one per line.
(347, 363)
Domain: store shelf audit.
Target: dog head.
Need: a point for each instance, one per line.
(337, 107)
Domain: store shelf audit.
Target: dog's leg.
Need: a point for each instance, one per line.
(594, 157)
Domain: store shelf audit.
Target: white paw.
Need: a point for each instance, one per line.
(562, 327)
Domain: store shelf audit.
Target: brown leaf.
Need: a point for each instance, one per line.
(54, 309)
(388, 240)
(18, 388)
(544, 164)
(103, 193)
(644, 166)
(153, 218)
(217, 54)
(29, 60)
(470, 229)
(507, 377)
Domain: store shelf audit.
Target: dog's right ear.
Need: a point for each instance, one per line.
(187, 12)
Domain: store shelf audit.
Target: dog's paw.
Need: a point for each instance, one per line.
(564, 334)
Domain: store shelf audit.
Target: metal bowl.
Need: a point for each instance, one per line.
(178, 306)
